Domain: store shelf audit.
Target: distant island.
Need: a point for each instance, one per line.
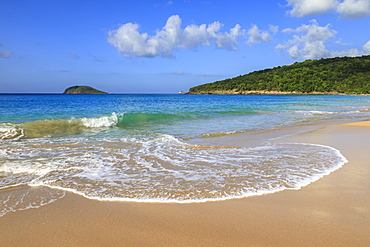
(341, 75)
(83, 90)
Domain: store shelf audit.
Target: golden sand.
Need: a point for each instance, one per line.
(334, 211)
(360, 124)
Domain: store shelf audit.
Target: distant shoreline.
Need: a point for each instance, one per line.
(206, 93)
(255, 92)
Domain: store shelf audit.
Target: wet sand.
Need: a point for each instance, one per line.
(334, 211)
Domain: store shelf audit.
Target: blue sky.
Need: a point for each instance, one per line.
(168, 46)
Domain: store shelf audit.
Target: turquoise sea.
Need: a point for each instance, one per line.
(144, 148)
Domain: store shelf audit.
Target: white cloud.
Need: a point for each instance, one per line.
(6, 54)
(258, 36)
(339, 42)
(303, 8)
(274, 29)
(366, 48)
(228, 40)
(354, 9)
(347, 9)
(309, 42)
(128, 40)
(346, 53)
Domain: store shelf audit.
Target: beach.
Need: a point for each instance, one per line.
(185, 123)
(333, 211)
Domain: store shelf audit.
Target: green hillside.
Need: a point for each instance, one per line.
(344, 75)
(82, 90)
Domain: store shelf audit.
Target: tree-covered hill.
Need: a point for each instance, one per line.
(82, 90)
(347, 75)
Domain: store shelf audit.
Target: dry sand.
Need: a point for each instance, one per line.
(334, 211)
(359, 124)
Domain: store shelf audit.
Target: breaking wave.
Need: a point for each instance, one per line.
(60, 127)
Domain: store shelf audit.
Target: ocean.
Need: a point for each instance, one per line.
(151, 148)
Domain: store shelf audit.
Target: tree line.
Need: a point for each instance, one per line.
(348, 75)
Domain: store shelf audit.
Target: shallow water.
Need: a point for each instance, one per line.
(136, 147)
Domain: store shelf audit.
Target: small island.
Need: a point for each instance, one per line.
(83, 90)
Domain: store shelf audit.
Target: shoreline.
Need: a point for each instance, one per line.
(333, 211)
(264, 92)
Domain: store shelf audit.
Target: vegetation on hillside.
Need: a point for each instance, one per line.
(348, 75)
(82, 90)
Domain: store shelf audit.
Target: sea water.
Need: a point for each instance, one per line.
(143, 147)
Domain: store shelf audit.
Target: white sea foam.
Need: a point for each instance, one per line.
(161, 168)
(34, 168)
(18, 199)
(10, 131)
(103, 121)
(314, 112)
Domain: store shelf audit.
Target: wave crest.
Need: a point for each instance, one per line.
(10, 131)
(98, 122)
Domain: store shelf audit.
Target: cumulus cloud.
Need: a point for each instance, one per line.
(6, 54)
(128, 40)
(274, 29)
(309, 41)
(347, 9)
(354, 9)
(303, 8)
(346, 53)
(366, 48)
(258, 36)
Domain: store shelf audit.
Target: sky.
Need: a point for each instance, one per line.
(164, 46)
